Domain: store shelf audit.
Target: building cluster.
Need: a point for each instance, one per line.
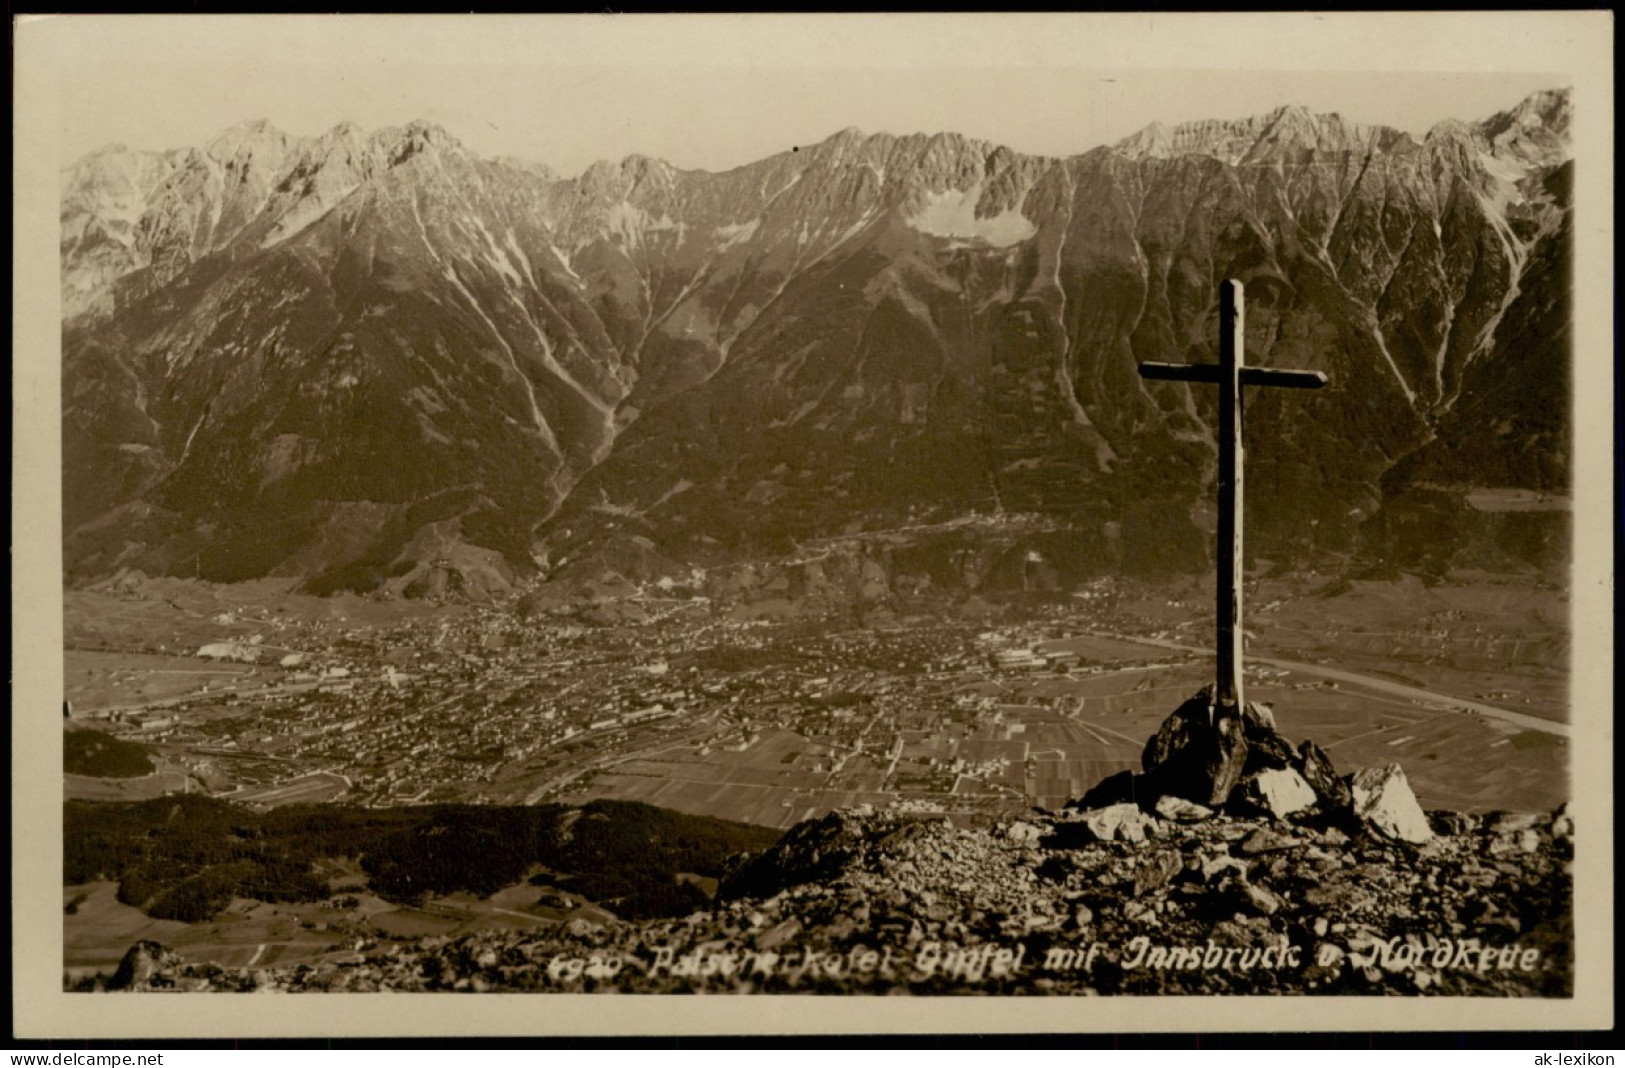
(486, 704)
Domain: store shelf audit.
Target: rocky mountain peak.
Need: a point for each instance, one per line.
(115, 148)
(111, 171)
(1549, 108)
(844, 140)
(345, 132)
(845, 147)
(1535, 132)
(244, 140)
(1450, 130)
(430, 132)
(1288, 130)
(1150, 142)
(602, 177)
(419, 136)
(531, 167)
(641, 170)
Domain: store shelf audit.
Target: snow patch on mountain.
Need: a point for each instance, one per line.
(952, 214)
(632, 224)
(682, 485)
(519, 257)
(725, 237)
(564, 262)
(499, 258)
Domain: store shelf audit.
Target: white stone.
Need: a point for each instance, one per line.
(1383, 798)
(1262, 715)
(1022, 831)
(1216, 867)
(1170, 807)
(1122, 822)
(1283, 791)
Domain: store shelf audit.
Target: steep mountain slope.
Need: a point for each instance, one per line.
(380, 359)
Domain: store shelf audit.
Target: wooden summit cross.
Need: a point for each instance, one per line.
(1230, 373)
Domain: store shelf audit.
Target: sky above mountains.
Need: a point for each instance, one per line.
(714, 92)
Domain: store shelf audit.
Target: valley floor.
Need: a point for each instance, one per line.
(770, 710)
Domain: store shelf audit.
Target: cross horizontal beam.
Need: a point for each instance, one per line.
(1250, 376)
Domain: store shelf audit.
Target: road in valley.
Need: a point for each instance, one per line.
(1371, 682)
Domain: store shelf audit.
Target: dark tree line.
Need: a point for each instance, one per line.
(186, 857)
(98, 754)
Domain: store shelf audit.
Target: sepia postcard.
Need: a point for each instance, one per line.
(922, 523)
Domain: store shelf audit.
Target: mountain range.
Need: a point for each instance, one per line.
(380, 361)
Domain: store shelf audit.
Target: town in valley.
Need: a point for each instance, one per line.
(727, 696)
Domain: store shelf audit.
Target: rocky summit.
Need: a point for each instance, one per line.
(1297, 880)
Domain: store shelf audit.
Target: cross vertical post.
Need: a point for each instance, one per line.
(1230, 374)
(1232, 327)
